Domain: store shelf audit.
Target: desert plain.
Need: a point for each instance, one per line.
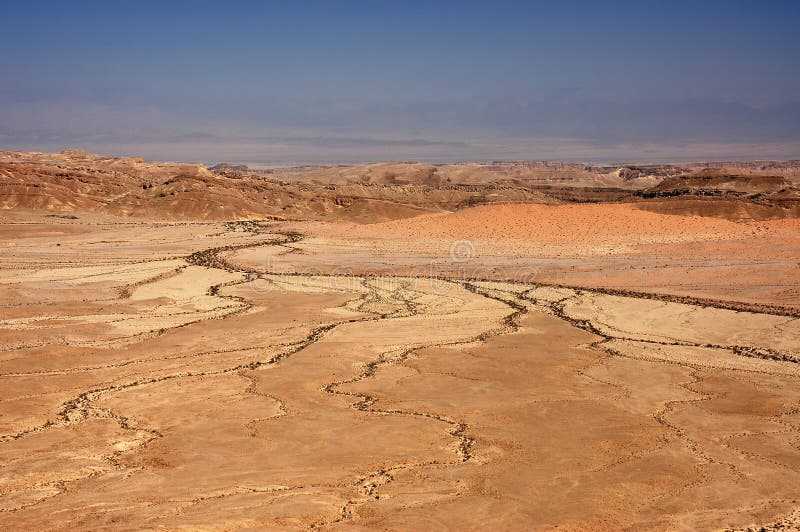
(403, 346)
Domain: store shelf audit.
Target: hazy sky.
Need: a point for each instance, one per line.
(301, 81)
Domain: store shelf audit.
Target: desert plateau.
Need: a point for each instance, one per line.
(347, 265)
(401, 346)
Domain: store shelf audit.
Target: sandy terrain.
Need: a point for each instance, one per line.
(398, 346)
(612, 246)
(185, 375)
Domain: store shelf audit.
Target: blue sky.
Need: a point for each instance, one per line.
(279, 82)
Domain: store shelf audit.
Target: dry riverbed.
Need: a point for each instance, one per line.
(182, 374)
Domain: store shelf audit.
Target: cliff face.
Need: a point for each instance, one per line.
(723, 195)
(722, 182)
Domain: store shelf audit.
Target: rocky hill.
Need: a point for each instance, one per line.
(74, 180)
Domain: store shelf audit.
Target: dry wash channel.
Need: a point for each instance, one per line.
(152, 382)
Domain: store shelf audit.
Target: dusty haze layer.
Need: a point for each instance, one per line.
(395, 355)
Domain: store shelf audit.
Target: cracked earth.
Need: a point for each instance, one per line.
(151, 378)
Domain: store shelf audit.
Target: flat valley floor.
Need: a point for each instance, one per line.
(211, 375)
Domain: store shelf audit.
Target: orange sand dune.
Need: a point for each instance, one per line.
(600, 226)
(618, 246)
(573, 224)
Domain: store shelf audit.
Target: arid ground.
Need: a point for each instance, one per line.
(349, 348)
